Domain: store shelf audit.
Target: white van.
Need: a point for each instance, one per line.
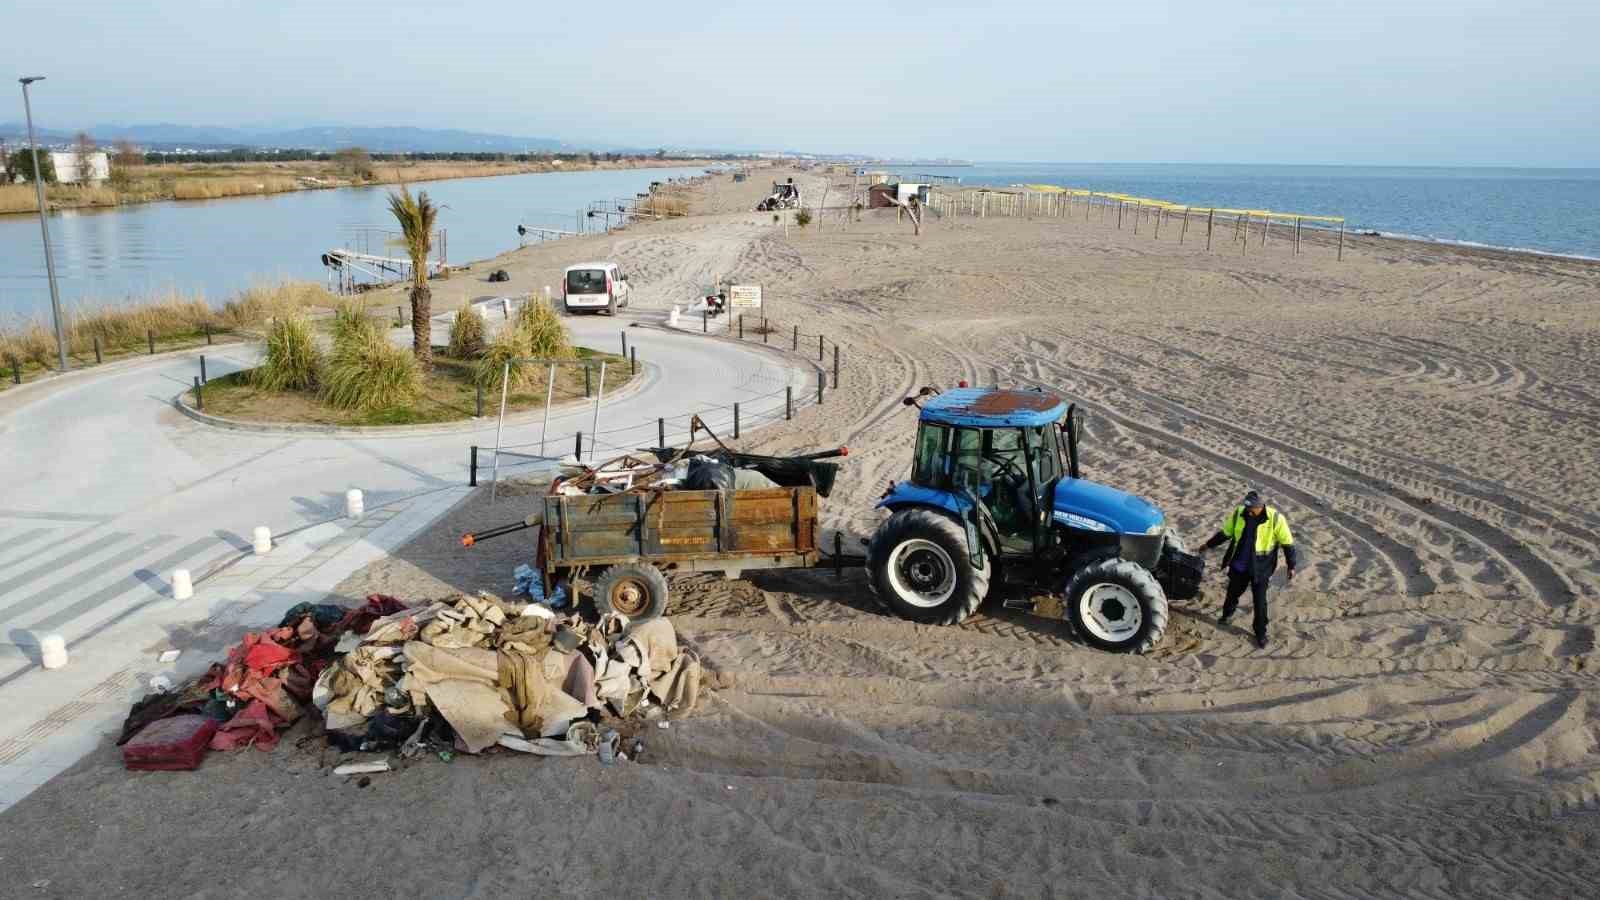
(595, 286)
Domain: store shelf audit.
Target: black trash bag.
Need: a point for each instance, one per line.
(499, 275)
(385, 731)
(706, 474)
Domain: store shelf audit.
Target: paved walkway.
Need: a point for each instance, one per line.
(107, 489)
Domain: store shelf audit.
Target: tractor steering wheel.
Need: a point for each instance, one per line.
(1007, 467)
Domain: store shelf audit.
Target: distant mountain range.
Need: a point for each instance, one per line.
(332, 137)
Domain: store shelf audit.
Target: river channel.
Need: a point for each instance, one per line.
(216, 247)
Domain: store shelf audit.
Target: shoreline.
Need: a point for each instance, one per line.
(94, 197)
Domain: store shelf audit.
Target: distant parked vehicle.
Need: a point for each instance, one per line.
(594, 286)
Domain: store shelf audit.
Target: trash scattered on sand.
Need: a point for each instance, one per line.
(463, 674)
(363, 768)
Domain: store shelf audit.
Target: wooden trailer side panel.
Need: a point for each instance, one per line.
(678, 525)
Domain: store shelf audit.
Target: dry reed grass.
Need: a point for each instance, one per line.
(237, 186)
(175, 317)
(665, 204)
(22, 198)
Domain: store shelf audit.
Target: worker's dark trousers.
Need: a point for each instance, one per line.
(1237, 582)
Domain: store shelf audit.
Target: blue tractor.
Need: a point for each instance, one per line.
(995, 495)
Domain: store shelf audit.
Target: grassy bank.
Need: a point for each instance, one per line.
(448, 394)
(210, 181)
(173, 322)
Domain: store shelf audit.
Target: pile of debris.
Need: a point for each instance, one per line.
(463, 674)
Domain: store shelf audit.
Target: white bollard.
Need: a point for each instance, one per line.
(354, 506)
(263, 540)
(182, 584)
(505, 306)
(53, 649)
(672, 320)
(547, 293)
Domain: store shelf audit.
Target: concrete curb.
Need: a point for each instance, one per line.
(647, 377)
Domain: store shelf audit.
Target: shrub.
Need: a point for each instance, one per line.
(466, 334)
(368, 372)
(351, 323)
(536, 333)
(547, 335)
(802, 217)
(293, 361)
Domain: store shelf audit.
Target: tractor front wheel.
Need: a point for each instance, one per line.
(920, 569)
(1117, 605)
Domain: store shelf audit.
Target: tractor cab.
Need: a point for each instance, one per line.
(995, 479)
(1008, 449)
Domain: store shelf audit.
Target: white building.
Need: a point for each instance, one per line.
(66, 163)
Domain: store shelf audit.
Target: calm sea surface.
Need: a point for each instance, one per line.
(219, 246)
(1553, 210)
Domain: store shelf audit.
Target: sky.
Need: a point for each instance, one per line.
(1361, 82)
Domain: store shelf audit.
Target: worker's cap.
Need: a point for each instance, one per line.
(1252, 499)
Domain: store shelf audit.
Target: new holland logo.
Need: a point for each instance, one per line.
(1077, 521)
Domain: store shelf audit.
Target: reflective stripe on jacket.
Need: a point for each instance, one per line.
(1272, 533)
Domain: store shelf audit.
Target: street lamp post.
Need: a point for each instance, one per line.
(44, 223)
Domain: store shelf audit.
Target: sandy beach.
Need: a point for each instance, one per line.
(1427, 416)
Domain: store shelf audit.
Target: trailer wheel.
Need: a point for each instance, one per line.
(919, 568)
(636, 590)
(1117, 605)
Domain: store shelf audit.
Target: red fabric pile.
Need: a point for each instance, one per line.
(273, 671)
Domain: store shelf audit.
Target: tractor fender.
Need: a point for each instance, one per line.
(910, 496)
(905, 494)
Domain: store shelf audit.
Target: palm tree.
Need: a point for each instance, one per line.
(416, 216)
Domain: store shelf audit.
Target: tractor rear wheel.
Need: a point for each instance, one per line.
(637, 590)
(919, 568)
(1117, 605)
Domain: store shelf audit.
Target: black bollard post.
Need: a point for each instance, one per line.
(820, 382)
(633, 362)
(472, 478)
(400, 316)
(208, 333)
(203, 378)
(764, 329)
(661, 432)
(741, 326)
(480, 401)
(150, 336)
(97, 349)
(577, 452)
(836, 366)
(796, 347)
(819, 348)
(735, 421)
(788, 402)
(16, 370)
(624, 345)
(587, 387)
(199, 398)
(705, 318)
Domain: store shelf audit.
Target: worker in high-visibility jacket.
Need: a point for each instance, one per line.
(1254, 533)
